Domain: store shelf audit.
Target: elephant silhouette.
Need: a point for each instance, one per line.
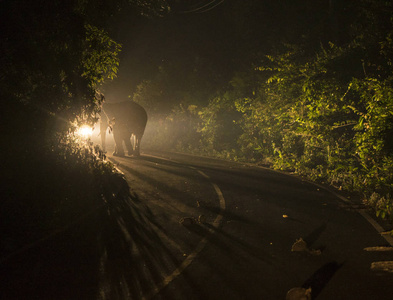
(127, 119)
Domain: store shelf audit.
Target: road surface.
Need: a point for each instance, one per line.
(251, 217)
(200, 228)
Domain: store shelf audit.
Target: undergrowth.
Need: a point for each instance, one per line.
(52, 188)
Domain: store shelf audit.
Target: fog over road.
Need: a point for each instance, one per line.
(251, 217)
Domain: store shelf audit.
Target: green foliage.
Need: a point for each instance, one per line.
(55, 55)
(373, 132)
(100, 58)
(333, 127)
(382, 204)
(219, 127)
(326, 113)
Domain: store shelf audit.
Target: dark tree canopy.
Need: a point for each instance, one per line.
(57, 53)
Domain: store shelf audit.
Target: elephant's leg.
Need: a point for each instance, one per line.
(137, 145)
(119, 151)
(133, 141)
(127, 141)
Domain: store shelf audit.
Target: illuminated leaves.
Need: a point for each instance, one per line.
(100, 58)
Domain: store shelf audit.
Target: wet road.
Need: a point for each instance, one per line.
(200, 228)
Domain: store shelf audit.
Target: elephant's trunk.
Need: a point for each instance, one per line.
(103, 127)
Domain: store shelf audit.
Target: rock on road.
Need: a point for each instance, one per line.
(242, 248)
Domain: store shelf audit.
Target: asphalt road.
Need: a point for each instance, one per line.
(251, 217)
(200, 228)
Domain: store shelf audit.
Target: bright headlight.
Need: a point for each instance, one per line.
(84, 131)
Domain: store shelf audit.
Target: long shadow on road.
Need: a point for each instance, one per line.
(113, 253)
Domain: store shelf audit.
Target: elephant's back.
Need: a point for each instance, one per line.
(137, 115)
(129, 113)
(125, 110)
(137, 111)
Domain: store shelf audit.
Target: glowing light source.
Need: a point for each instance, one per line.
(84, 131)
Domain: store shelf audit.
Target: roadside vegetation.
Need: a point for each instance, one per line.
(321, 106)
(55, 57)
(314, 97)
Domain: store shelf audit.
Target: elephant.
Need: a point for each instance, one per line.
(127, 119)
